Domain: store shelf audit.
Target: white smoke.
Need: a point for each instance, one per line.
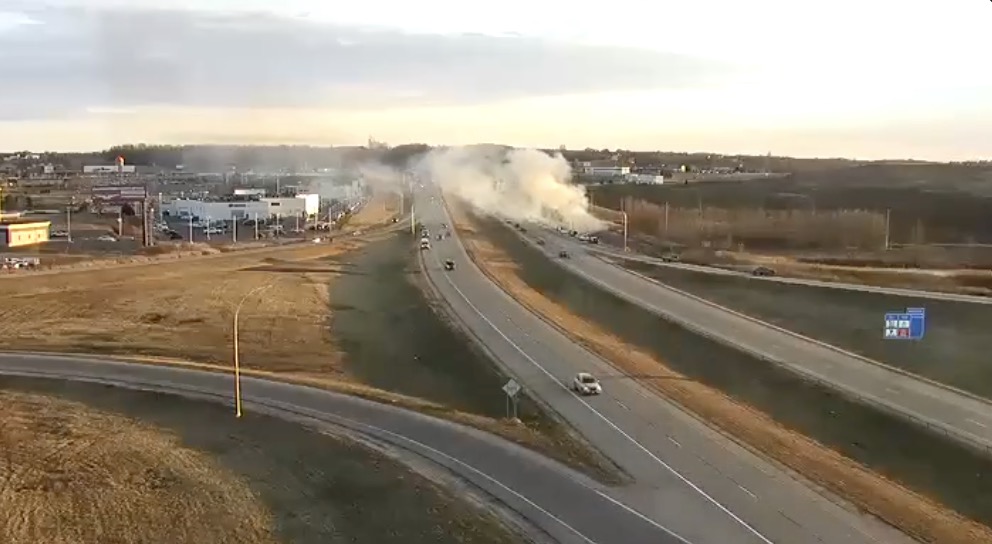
(524, 185)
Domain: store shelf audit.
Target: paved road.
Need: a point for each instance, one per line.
(688, 477)
(933, 295)
(961, 415)
(569, 507)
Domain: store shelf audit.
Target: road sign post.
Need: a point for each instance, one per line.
(512, 390)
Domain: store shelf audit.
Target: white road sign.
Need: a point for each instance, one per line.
(511, 388)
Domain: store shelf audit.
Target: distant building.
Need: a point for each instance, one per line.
(242, 207)
(24, 233)
(645, 179)
(109, 169)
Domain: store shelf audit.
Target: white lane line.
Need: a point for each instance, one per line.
(639, 515)
(746, 490)
(892, 390)
(606, 420)
(622, 405)
(979, 423)
(673, 441)
(272, 403)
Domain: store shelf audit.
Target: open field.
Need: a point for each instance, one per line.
(952, 203)
(929, 216)
(879, 463)
(184, 471)
(955, 350)
(346, 315)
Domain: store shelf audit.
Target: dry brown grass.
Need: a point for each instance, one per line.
(741, 229)
(180, 312)
(916, 515)
(64, 481)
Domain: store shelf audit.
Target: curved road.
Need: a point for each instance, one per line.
(961, 415)
(687, 477)
(568, 506)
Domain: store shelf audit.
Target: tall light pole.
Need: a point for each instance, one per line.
(191, 228)
(237, 358)
(68, 224)
(624, 232)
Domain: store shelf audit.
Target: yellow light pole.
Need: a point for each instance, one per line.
(237, 359)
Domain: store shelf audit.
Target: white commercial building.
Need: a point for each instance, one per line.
(239, 209)
(606, 171)
(302, 205)
(646, 179)
(249, 191)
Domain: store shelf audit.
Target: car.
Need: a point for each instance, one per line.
(586, 384)
(449, 264)
(670, 258)
(540, 241)
(762, 271)
(563, 254)
(107, 238)
(173, 235)
(60, 234)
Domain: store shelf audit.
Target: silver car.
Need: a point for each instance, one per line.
(586, 384)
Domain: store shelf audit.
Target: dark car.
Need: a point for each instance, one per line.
(594, 239)
(540, 241)
(563, 254)
(762, 271)
(173, 235)
(449, 264)
(670, 258)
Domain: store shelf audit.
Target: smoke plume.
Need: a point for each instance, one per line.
(524, 185)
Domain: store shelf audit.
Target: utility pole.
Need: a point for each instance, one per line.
(234, 229)
(413, 222)
(624, 212)
(888, 215)
(191, 228)
(206, 230)
(68, 224)
(256, 225)
(666, 219)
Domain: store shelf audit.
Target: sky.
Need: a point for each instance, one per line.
(868, 79)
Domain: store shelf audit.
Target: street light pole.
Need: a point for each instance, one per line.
(624, 232)
(237, 357)
(68, 224)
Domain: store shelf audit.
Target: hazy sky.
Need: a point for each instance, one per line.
(866, 78)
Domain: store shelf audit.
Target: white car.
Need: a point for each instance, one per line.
(107, 238)
(586, 384)
(213, 230)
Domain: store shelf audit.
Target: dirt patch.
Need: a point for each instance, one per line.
(954, 351)
(753, 401)
(188, 472)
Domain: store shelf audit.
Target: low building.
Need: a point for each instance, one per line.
(607, 171)
(24, 233)
(242, 207)
(645, 179)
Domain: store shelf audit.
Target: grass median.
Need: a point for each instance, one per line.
(859, 454)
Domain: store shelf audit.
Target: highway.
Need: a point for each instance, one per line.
(565, 505)
(688, 478)
(963, 416)
(932, 295)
